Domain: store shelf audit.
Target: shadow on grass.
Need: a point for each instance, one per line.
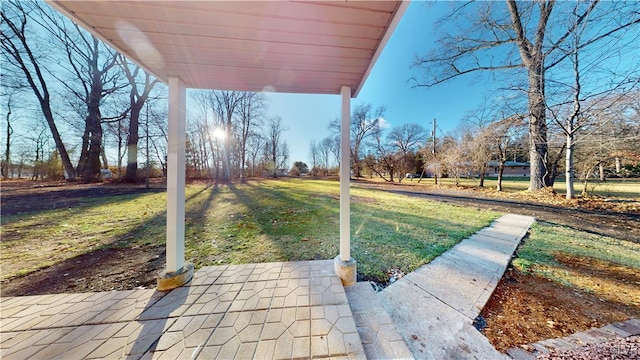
(596, 222)
(382, 239)
(146, 237)
(66, 198)
(288, 223)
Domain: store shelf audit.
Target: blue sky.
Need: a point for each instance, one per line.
(307, 116)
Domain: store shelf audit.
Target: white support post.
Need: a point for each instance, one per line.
(176, 176)
(345, 175)
(343, 264)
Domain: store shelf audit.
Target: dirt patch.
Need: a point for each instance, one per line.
(100, 270)
(527, 308)
(27, 196)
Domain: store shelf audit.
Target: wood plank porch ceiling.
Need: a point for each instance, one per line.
(284, 46)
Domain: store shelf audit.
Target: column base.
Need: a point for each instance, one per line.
(346, 270)
(169, 281)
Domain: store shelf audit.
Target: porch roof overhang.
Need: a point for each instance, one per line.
(313, 47)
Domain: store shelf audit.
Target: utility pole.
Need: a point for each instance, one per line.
(433, 134)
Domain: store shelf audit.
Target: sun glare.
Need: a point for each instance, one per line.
(219, 134)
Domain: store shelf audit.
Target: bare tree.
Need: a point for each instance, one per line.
(503, 134)
(6, 162)
(159, 139)
(478, 151)
(92, 67)
(479, 142)
(138, 95)
(119, 131)
(383, 161)
(209, 118)
(92, 63)
(277, 149)
(334, 148)
(227, 103)
(19, 52)
(37, 135)
(406, 139)
(364, 122)
(324, 149)
(283, 155)
(314, 153)
(452, 158)
(603, 65)
(251, 109)
(255, 144)
(611, 130)
(520, 36)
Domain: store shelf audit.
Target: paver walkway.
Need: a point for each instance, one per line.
(379, 335)
(271, 311)
(434, 307)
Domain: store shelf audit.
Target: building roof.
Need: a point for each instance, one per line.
(509, 163)
(285, 46)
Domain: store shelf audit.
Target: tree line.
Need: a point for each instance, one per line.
(567, 103)
(231, 137)
(488, 139)
(559, 57)
(71, 103)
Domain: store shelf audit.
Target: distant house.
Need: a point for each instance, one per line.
(279, 173)
(511, 168)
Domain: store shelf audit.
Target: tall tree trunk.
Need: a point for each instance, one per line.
(243, 153)
(585, 191)
(552, 164)
(132, 142)
(601, 171)
(89, 168)
(84, 154)
(119, 149)
(64, 156)
(568, 166)
(356, 162)
(532, 55)
(103, 156)
(7, 150)
(226, 163)
(537, 128)
(500, 172)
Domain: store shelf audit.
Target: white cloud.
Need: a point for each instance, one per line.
(384, 124)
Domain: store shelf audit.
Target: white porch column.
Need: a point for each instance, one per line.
(176, 175)
(176, 273)
(344, 265)
(345, 174)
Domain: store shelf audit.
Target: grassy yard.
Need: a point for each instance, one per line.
(612, 188)
(592, 263)
(272, 220)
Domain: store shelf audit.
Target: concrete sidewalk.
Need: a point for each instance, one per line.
(434, 307)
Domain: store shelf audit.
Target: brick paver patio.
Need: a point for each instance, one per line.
(273, 310)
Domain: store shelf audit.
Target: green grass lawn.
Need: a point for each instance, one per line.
(614, 188)
(271, 220)
(582, 260)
